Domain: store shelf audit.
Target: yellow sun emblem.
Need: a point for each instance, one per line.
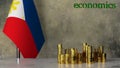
(14, 5)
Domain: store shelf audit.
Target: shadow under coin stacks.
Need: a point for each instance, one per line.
(88, 55)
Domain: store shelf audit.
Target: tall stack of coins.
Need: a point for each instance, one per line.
(73, 56)
(59, 52)
(89, 54)
(86, 52)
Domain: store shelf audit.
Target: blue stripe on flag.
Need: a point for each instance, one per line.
(32, 20)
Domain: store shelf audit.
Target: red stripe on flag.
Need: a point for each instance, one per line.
(18, 31)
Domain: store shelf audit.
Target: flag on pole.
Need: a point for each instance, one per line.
(23, 28)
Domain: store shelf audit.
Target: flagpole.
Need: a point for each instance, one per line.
(18, 55)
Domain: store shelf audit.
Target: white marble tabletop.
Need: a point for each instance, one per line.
(52, 63)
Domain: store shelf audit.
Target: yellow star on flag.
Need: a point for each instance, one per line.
(14, 5)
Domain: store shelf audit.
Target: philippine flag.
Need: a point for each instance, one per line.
(23, 28)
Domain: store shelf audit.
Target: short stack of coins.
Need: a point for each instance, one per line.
(103, 57)
(95, 55)
(79, 59)
(84, 53)
(67, 56)
(73, 56)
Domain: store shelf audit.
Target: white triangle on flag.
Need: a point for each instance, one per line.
(17, 9)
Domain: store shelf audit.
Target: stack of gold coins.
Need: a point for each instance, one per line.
(62, 59)
(103, 57)
(73, 56)
(59, 52)
(95, 55)
(86, 52)
(79, 56)
(100, 53)
(67, 58)
(83, 56)
(89, 55)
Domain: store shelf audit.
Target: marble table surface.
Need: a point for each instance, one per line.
(52, 63)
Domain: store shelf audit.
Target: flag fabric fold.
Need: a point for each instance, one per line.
(23, 28)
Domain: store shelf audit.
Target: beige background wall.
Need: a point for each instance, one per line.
(64, 24)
